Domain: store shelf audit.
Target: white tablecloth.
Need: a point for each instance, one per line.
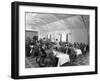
(78, 52)
(62, 58)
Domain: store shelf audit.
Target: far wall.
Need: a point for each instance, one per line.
(74, 35)
(79, 35)
(30, 34)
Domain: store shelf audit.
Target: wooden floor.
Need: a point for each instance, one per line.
(31, 62)
(76, 61)
(80, 60)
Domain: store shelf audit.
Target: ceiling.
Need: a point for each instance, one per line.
(50, 22)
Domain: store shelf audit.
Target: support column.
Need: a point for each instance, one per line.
(60, 37)
(66, 37)
(50, 36)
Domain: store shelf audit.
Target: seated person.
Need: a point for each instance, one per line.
(43, 54)
(57, 45)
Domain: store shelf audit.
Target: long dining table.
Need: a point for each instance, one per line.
(62, 58)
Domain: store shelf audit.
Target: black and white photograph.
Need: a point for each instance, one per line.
(56, 40)
(51, 40)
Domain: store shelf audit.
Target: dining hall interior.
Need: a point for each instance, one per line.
(56, 40)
